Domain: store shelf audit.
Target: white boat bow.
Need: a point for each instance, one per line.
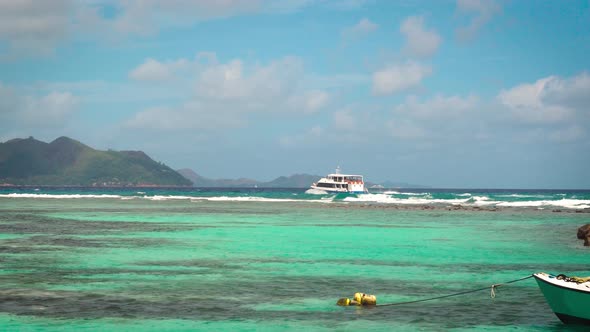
(568, 297)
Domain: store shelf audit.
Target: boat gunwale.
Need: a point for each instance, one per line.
(560, 286)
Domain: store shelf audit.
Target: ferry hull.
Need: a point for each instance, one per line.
(571, 306)
(338, 191)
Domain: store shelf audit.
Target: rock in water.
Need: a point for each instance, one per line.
(584, 232)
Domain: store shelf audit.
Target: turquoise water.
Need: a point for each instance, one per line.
(158, 260)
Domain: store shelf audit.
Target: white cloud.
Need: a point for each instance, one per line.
(100, 92)
(338, 80)
(309, 102)
(9, 100)
(33, 27)
(316, 131)
(420, 42)
(189, 116)
(572, 92)
(546, 100)
(245, 87)
(395, 78)
(36, 28)
(50, 110)
(481, 11)
(437, 107)
(225, 93)
(147, 17)
(153, 70)
(359, 30)
(552, 109)
(233, 81)
(344, 120)
(307, 137)
(405, 129)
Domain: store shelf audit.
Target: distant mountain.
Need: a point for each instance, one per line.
(190, 175)
(199, 181)
(293, 181)
(68, 162)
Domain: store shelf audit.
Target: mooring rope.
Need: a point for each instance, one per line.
(492, 293)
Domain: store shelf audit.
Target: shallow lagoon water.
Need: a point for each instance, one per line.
(103, 263)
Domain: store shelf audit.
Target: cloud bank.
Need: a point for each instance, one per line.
(223, 94)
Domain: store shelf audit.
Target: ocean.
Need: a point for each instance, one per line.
(155, 259)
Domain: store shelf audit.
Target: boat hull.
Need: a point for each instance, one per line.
(570, 304)
(337, 190)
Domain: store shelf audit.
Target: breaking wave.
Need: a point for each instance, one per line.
(572, 200)
(254, 199)
(316, 192)
(413, 200)
(58, 196)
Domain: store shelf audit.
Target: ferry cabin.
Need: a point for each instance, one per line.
(341, 183)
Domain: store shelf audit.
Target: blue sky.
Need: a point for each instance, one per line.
(466, 93)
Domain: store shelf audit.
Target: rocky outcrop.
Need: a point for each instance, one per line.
(584, 234)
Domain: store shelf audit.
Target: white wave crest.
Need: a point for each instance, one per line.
(564, 203)
(58, 196)
(316, 192)
(482, 201)
(522, 196)
(382, 198)
(386, 199)
(255, 199)
(167, 198)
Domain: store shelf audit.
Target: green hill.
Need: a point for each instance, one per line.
(68, 162)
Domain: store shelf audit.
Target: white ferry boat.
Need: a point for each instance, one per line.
(341, 183)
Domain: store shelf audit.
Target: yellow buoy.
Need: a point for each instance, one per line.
(369, 299)
(358, 299)
(343, 302)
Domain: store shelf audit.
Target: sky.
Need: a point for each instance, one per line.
(450, 94)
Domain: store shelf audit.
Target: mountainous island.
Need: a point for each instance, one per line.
(68, 162)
